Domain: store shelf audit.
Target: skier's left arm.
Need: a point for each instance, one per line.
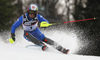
(43, 21)
(41, 18)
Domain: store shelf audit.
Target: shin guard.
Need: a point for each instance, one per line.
(33, 39)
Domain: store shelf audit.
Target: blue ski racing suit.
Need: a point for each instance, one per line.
(32, 32)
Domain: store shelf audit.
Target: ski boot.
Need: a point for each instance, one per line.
(44, 47)
(65, 51)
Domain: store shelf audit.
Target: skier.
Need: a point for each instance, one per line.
(32, 33)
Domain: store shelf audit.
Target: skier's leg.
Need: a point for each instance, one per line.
(34, 40)
(55, 45)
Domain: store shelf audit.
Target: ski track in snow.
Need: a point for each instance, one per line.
(18, 51)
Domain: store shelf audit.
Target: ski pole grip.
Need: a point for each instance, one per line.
(11, 41)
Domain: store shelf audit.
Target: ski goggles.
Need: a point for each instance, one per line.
(32, 12)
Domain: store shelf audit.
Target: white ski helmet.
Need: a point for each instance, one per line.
(33, 8)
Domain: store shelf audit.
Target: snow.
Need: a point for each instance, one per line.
(12, 52)
(18, 50)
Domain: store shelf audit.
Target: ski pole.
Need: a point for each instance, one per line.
(45, 24)
(79, 20)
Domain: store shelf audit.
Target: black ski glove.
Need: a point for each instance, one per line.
(13, 36)
(12, 39)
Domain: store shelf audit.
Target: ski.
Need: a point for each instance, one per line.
(42, 47)
(33, 46)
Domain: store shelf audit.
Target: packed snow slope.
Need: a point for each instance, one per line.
(11, 52)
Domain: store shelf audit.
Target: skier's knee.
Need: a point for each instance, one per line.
(26, 33)
(48, 41)
(45, 40)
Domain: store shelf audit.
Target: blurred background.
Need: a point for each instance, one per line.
(60, 11)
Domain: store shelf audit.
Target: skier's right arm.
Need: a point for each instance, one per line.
(13, 28)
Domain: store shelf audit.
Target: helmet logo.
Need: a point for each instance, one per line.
(33, 7)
